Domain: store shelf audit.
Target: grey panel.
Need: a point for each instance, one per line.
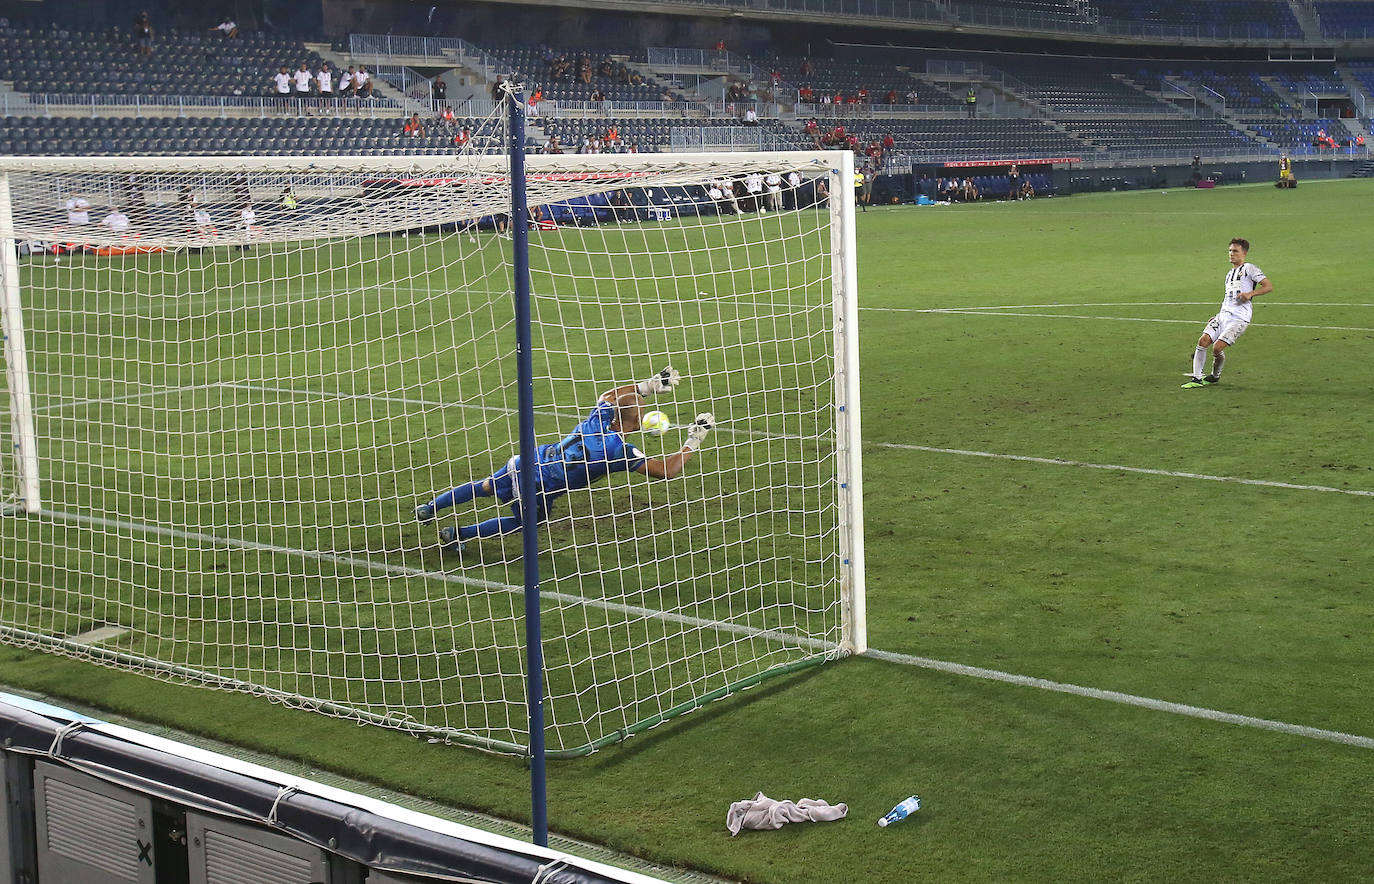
(90, 832)
(224, 852)
(6, 814)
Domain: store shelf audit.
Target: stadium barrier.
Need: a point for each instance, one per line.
(102, 803)
(98, 105)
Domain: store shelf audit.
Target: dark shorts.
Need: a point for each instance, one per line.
(506, 483)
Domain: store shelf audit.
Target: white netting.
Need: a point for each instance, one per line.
(235, 421)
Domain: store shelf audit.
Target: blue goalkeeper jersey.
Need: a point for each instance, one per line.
(591, 451)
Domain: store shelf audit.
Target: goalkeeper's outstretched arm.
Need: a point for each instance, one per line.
(671, 466)
(662, 382)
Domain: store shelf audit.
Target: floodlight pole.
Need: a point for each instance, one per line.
(529, 508)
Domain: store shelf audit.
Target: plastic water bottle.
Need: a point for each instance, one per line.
(901, 811)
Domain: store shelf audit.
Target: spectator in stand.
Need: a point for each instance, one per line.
(793, 195)
(839, 96)
(116, 222)
(751, 116)
(806, 69)
(912, 97)
(862, 96)
(303, 80)
(597, 95)
(874, 152)
(227, 29)
(362, 82)
(535, 98)
(324, 81)
(413, 127)
(282, 79)
(634, 147)
(612, 134)
(447, 116)
(804, 94)
(462, 138)
(667, 96)
(888, 143)
(438, 90)
(552, 146)
(143, 34)
(346, 84)
(891, 96)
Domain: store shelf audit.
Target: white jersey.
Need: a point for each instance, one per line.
(774, 182)
(202, 218)
(249, 218)
(325, 80)
(78, 211)
(117, 222)
(1241, 280)
(753, 182)
(283, 82)
(302, 81)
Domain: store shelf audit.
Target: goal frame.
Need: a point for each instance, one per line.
(836, 166)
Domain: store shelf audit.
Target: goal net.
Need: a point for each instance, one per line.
(222, 406)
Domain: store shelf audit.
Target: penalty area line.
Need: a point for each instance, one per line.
(1173, 474)
(1282, 727)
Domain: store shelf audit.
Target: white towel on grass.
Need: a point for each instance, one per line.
(762, 812)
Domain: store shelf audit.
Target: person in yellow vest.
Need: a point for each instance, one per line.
(859, 189)
(971, 102)
(1285, 167)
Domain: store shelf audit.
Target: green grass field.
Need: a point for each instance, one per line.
(1042, 499)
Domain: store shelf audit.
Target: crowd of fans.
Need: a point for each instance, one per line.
(323, 83)
(563, 68)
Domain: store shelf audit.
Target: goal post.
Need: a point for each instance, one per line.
(234, 416)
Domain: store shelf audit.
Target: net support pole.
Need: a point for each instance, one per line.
(529, 510)
(845, 283)
(23, 439)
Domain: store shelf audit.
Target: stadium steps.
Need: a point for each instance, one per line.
(1306, 19)
(1280, 89)
(1364, 170)
(1358, 93)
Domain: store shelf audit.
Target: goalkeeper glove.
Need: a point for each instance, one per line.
(660, 383)
(705, 423)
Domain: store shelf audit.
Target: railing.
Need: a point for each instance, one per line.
(870, 111)
(101, 105)
(388, 46)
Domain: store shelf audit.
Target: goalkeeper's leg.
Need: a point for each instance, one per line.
(454, 538)
(425, 512)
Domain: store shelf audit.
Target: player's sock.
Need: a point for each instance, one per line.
(489, 528)
(1218, 362)
(459, 495)
(1199, 361)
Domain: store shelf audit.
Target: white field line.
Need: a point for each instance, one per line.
(1017, 312)
(1173, 474)
(1267, 305)
(1297, 730)
(562, 598)
(158, 391)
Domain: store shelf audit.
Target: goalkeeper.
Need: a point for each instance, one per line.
(594, 449)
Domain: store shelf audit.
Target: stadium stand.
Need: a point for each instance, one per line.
(1345, 18)
(1081, 88)
(965, 139)
(1179, 138)
(60, 61)
(579, 75)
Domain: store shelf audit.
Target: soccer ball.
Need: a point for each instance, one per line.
(655, 423)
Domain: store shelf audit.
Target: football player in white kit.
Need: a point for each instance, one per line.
(1244, 283)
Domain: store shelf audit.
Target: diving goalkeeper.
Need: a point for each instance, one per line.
(594, 449)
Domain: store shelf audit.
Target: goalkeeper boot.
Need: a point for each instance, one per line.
(1192, 383)
(1212, 379)
(448, 539)
(424, 513)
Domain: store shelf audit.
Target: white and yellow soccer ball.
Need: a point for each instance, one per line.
(655, 423)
